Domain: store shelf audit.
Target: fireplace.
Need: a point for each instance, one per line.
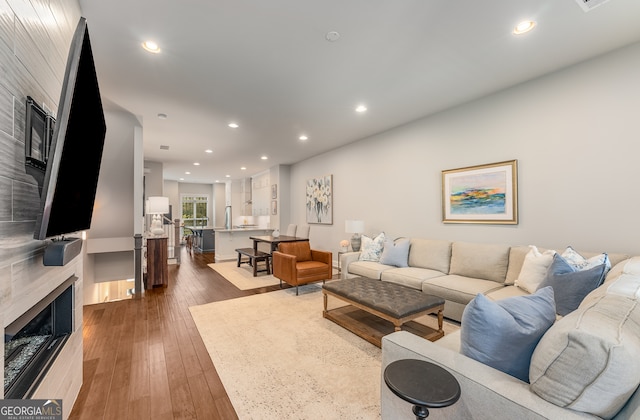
(32, 342)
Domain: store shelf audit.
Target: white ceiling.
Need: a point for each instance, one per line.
(267, 66)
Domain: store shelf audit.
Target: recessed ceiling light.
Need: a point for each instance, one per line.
(227, 176)
(162, 116)
(196, 163)
(361, 108)
(181, 179)
(233, 125)
(243, 168)
(151, 46)
(187, 173)
(264, 157)
(524, 27)
(208, 151)
(303, 137)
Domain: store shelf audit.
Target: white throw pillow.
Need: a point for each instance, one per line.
(534, 269)
(372, 248)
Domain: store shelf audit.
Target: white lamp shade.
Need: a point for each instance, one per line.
(157, 205)
(354, 226)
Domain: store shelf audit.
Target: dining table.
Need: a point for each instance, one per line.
(275, 240)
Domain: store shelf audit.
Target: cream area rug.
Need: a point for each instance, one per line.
(242, 277)
(278, 358)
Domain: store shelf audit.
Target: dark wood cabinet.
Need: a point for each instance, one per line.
(157, 267)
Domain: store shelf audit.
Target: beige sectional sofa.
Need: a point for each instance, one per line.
(584, 366)
(455, 271)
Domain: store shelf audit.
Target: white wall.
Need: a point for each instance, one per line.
(112, 213)
(575, 136)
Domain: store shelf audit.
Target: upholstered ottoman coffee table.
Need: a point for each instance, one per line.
(377, 308)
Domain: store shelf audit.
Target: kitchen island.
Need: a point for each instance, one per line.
(228, 240)
(203, 240)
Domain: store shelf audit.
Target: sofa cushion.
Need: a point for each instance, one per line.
(369, 269)
(482, 261)
(503, 334)
(588, 361)
(458, 289)
(516, 259)
(372, 247)
(506, 292)
(431, 254)
(409, 276)
(396, 252)
(572, 285)
(534, 268)
(624, 279)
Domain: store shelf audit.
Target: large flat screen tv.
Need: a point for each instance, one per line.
(73, 165)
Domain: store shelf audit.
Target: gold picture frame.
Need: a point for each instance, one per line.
(481, 194)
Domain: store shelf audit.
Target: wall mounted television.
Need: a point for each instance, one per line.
(75, 154)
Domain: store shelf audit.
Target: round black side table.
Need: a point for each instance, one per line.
(423, 384)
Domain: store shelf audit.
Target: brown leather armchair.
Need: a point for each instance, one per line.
(296, 263)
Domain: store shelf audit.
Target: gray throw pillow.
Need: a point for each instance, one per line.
(503, 334)
(396, 252)
(571, 285)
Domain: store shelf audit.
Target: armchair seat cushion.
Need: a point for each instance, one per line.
(310, 269)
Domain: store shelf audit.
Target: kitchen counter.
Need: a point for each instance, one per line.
(244, 229)
(228, 240)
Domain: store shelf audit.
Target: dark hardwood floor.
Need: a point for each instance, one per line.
(144, 358)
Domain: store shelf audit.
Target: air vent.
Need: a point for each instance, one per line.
(162, 147)
(588, 5)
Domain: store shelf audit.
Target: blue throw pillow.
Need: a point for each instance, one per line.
(396, 252)
(570, 284)
(503, 333)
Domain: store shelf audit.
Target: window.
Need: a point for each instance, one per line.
(194, 209)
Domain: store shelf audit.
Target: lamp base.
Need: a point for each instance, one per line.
(356, 242)
(156, 226)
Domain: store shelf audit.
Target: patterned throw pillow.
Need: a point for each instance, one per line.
(581, 263)
(372, 248)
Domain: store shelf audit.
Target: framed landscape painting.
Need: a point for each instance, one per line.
(319, 204)
(481, 194)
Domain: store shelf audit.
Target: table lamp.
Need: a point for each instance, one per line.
(356, 227)
(157, 206)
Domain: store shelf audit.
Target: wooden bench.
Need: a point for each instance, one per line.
(372, 302)
(254, 258)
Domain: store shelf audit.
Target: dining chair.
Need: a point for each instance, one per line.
(291, 230)
(303, 232)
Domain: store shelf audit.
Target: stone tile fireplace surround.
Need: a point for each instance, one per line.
(31, 282)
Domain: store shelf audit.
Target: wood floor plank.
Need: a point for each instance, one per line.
(144, 357)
